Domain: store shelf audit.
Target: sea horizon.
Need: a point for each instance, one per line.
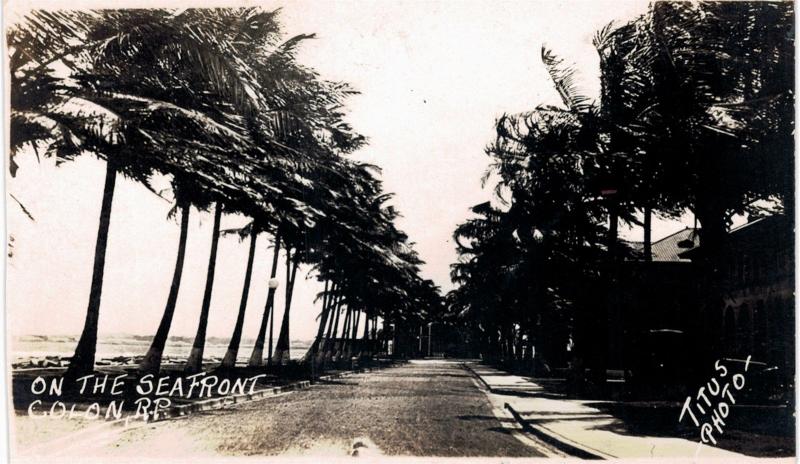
(33, 346)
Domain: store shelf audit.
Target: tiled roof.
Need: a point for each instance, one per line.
(667, 249)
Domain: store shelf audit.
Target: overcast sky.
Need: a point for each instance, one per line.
(433, 76)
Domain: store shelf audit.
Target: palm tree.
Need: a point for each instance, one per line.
(93, 44)
(682, 93)
(311, 354)
(206, 97)
(152, 360)
(715, 125)
(125, 68)
(41, 111)
(262, 23)
(257, 358)
(229, 361)
(333, 326)
(195, 362)
(281, 353)
(83, 359)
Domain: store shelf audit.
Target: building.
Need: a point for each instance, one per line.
(663, 331)
(652, 314)
(756, 316)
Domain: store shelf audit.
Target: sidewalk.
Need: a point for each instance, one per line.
(580, 429)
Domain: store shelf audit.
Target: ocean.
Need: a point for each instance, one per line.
(36, 347)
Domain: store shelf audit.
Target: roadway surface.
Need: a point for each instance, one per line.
(422, 408)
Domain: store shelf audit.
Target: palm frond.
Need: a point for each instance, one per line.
(563, 78)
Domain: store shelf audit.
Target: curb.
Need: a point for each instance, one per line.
(559, 442)
(472, 371)
(221, 402)
(551, 438)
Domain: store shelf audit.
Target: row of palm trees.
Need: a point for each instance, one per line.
(695, 115)
(216, 100)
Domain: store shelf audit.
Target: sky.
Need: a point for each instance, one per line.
(433, 77)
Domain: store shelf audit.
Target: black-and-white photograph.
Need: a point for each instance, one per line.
(343, 230)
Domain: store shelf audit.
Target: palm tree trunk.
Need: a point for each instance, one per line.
(345, 333)
(354, 334)
(366, 345)
(714, 242)
(257, 358)
(83, 360)
(348, 334)
(332, 320)
(345, 328)
(271, 332)
(331, 350)
(323, 321)
(355, 326)
(613, 227)
(195, 362)
(367, 319)
(607, 311)
(151, 364)
(282, 354)
(229, 361)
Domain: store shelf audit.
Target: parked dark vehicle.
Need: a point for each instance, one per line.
(661, 368)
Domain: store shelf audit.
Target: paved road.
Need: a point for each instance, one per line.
(424, 408)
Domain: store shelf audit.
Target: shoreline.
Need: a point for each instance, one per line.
(40, 351)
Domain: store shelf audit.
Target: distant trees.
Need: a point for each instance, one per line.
(378, 275)
(695, 113)
(216, 100)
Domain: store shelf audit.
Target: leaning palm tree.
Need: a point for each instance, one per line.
(263, 33)
(304, 120)
(296, 214)
(45, 108)
(327, 299)
(152, 79)
(300, 105)
(257, 357)
(251, 231)
(139, 65)
(187, 191)
(195, 361)
(152, 360)
(281, 353)
(255, 202)
(285, 195)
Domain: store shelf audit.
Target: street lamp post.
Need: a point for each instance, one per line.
(394, 339)
(257, 358)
